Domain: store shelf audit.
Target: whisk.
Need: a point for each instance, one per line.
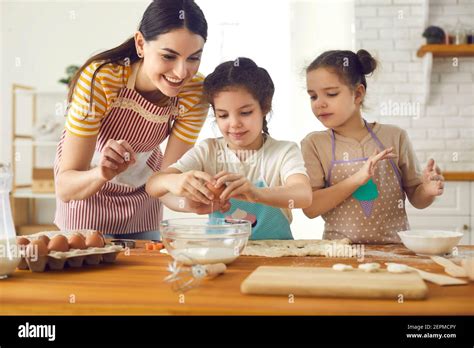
(184, 278)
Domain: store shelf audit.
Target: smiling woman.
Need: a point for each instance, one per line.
(123, 103)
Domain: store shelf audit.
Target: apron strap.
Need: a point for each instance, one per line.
(133, 76)
(333, 146)
(380, 145)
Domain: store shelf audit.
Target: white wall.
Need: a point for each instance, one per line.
(39, 39)
(392, 32)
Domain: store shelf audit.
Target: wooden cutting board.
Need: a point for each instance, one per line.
(326, 282)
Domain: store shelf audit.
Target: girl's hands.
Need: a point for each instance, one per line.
(368, 169)
(201, 208)
(238, 187)
(116, 157)
(433, 181)
(192, 185)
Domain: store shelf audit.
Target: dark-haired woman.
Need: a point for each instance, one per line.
(124, 103)
(259, 178)
(360, 172)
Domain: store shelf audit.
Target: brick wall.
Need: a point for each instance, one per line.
(391, 30)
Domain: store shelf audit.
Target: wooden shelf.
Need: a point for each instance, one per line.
(458, 176)
(28, 193)
(31, 142)
(30, 229)
(447, 50)
(42, 92)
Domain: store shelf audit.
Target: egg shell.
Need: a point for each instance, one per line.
(215, 191)
(77, 242)
(95, 240)
(58, 243)
(40, 244)
(45, 239)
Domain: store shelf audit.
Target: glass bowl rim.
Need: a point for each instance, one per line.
(174, 223)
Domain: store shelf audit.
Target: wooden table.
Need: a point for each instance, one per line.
(134, 286)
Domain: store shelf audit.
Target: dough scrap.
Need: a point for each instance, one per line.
(468, 265)
(300, 247)
(342, 267)
(370, 267)
(398, 268)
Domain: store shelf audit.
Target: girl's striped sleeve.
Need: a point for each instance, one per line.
(192, 111)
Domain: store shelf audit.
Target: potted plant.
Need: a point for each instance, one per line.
(70, 71)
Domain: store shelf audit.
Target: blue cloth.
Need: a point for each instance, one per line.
(271, 222)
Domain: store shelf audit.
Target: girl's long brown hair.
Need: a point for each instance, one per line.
(160, 17)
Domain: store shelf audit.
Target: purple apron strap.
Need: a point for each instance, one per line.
(333, 146)
(380, 145)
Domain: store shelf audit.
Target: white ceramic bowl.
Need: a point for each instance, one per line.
(430, 242)
(205, 241)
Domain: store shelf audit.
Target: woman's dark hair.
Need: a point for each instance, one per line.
(242, 73)
(349, 66)
(160, 17)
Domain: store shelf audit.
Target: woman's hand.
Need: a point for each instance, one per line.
(238, 187)
(116, 157)
(433, 181)
(368, 169)
(192, 185)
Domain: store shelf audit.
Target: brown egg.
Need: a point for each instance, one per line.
(22, 244)
(80, 235)
(22, 241)
(58, 243)
(215, 191)
(42, 249)
(95, 240)
(77, 241)
(45, 239)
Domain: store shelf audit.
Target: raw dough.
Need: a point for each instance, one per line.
(300, 247)
(369, 267)
(342, 267)
(468, 265)
(398, 268)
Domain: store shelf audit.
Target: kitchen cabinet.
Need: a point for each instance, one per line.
(453, 211)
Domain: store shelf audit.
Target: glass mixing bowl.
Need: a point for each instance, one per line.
(205, 241)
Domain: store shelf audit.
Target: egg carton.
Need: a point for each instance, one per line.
(74, 258)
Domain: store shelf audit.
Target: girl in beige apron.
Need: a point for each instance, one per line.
(375, 212)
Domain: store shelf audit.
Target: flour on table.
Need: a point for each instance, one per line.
(300, 247)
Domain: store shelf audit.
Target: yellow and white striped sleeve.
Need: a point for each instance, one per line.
(83, 119)
(192, 111)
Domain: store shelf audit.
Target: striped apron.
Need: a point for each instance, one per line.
(122, 205)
